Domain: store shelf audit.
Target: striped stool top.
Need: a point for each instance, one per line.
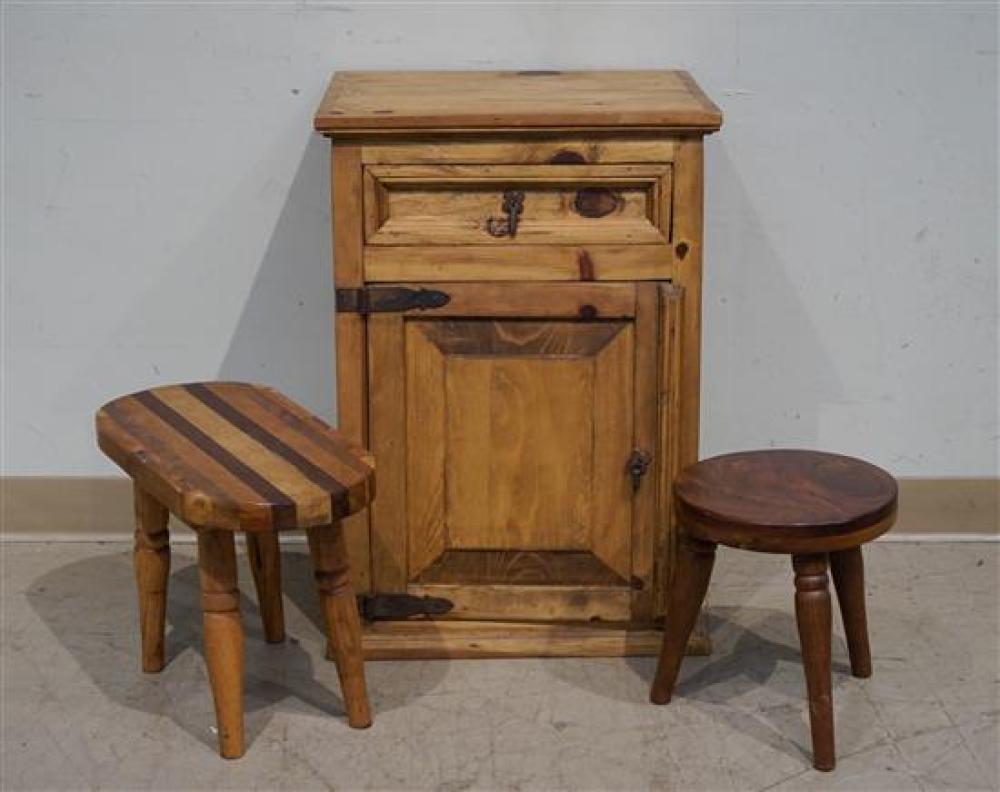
(235, 456)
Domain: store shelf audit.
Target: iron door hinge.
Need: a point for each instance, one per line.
(394, 607)
(381, 299)
(638, 466)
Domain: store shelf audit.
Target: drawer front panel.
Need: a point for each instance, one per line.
(513, 205)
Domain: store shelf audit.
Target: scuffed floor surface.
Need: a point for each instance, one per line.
(77, 713)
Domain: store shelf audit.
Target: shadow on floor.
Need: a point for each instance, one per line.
(760, 664)
(90, 607)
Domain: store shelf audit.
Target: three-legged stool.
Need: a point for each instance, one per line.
(819, 508)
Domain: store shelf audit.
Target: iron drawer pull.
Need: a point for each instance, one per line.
(512, 206)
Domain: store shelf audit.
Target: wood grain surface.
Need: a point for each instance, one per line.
(412, 100)
(151, 560)
(340, 612)
(786, 500)
(352, 402)
(563, 150)
(234, 456)
(428, 638)
(813, 616)
(223, 635)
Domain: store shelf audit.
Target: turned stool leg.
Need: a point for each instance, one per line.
(812, 611)
(343, 626)
(151, 559)
(691, 575)
(220, 605)
(265, 564)
(848, 570)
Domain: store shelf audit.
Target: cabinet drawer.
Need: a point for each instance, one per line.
(515, 204)
(476, 221)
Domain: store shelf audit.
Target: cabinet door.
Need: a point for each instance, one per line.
(503, 425)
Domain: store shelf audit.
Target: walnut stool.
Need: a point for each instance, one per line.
(819, 508)
(226, 457)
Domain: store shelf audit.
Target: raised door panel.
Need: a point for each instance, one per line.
(517, 437)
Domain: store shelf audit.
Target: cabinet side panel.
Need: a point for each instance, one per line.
(671, 300)
(687, 244)
(352, 417)
(348, 215)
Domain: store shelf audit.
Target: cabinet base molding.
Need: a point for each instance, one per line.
(426, 639)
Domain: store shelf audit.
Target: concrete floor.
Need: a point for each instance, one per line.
(77, 713)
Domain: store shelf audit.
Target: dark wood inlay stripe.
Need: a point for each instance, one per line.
(270, 441)
(310, 426)
(280, 502)
(129, 424)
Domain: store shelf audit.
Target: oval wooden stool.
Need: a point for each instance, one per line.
(819, 508)
(226, 457)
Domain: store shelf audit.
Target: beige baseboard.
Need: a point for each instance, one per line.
(66, 507)
(99, 508)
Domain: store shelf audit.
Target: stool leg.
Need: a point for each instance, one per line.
(848, 569)
(265, 564)
(343, 626)
(691, 575)
(151, 560)
(220, 605)
(812, 611)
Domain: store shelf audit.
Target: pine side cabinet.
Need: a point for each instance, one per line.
(517, 262)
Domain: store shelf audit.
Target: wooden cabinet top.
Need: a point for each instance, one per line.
(387, 101)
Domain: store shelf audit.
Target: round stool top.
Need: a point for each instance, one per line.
(235, 456)
(785, 500)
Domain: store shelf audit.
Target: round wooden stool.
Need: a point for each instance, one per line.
(225, 457)
(819, 508)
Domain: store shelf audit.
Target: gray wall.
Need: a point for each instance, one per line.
(166, 206)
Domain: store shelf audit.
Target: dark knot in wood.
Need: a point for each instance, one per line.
(567, 157)
(596, 202)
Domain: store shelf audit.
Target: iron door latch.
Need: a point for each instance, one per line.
(638, 466)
